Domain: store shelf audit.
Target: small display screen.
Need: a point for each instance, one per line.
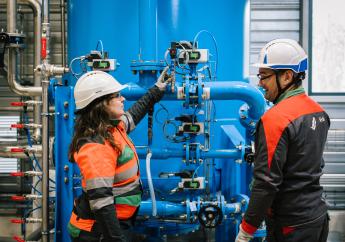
(194, 55)
(191, 128)
(101, 64)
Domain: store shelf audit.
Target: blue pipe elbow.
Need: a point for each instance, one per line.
(231, 90)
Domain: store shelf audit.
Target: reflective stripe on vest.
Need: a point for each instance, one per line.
(83, 224)
(99, 182)
(99, 203)
(119, 190)
(127, 173)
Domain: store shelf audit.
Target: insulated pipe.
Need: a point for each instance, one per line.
(221, 90)
(158, 153)
(148, 30)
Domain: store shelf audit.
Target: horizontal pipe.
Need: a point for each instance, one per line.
(221, 90)
(8, 154)
(230, 208)
(163, 208)
(165, 153)
(20, 109)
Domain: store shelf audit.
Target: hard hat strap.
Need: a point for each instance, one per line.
(280, 89)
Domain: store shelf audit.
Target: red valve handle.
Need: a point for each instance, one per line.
(17, 173)
(17, 221)
(18, 198)
(18, 239)
(17, 126)
(16, 150)
(18, 104)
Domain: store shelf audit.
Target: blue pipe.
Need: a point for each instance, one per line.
(221, 90)
(148, 30)
(163, 208)
(231, 90)
(164, 153)
(232, 208)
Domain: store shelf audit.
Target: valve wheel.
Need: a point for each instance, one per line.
(210, 216)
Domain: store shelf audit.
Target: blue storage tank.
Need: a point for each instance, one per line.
(137, 34)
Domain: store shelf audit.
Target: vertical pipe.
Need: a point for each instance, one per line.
(45, 163)
(11, 16)
(45, 128)
(148, 30)
(11, 73)
(63, 36)
(37, 61)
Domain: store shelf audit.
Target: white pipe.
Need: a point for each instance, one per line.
(149, 181)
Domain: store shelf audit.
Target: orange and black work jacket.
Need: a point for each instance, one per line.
(289, 144)
(110, 176)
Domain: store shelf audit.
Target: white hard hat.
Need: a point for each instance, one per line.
(92, 85)
(283, 54)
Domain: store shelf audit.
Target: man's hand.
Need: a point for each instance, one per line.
(243, 236)
(163, 79)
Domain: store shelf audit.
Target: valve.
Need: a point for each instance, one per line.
(26, 149)
(17, 221)
(27, 173)
(26, 220)
(26, 103)
(249, 153)
(22, 126)
(210, 216)
(18, 239)
(26, 197)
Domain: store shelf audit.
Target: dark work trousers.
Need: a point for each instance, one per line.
(314, 231)
(96, 236)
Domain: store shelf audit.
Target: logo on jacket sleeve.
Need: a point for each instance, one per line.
(313, 124)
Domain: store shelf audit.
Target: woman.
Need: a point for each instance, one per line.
(107, 159)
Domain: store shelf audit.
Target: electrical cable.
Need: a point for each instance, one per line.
(81, 59)
(215, 44)
(101, 44)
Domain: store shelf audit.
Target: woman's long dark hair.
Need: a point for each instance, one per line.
(92, 121)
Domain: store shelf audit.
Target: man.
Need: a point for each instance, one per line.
(289, 144)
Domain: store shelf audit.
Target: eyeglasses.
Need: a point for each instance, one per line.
(261, 78)
(115, 95)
